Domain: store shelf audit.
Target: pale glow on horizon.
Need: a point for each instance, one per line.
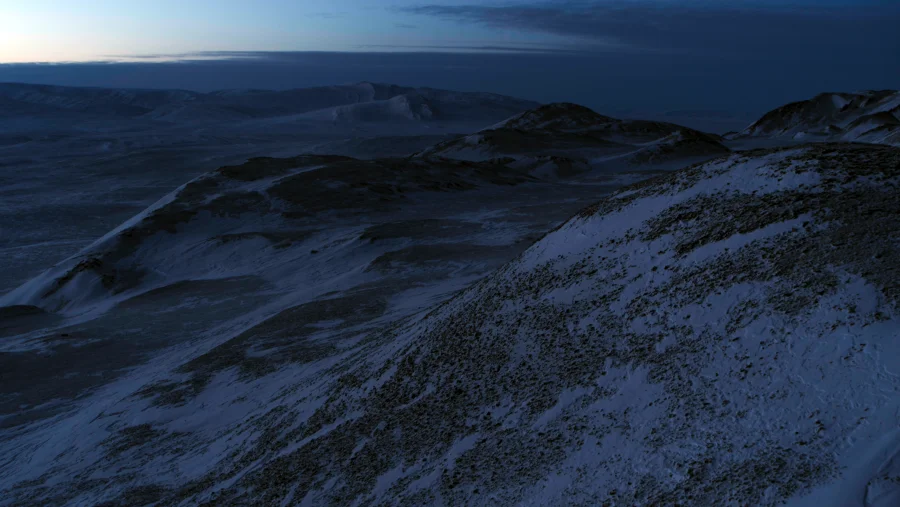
(56, 31)
(110, 30)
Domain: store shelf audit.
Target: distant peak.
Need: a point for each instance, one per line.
(564, 106)
(557, 115)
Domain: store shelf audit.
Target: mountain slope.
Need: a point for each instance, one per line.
(265, 197)
(661, 348)
(574, 131)
(204, 228)
(723, 335)
(872, 116)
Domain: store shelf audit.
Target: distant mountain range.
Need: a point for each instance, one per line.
(359, 102)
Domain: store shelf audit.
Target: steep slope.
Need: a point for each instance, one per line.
(573, 131)
(871, 116)
(723, 335)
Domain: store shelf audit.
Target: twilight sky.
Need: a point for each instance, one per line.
(732, 54)
(79, 30)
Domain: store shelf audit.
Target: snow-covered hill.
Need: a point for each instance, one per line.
(209, 227)
(722, 335)
(270, 201)
(576, 132)
(871, 117)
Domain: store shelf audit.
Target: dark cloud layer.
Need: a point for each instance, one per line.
(474, 48)
(724, 28)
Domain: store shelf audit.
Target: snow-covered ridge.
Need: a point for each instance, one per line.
(560, 141)
(871, 116)
(550, 142)
(203, 229)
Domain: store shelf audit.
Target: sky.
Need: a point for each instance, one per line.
(731, 54)
(84, 30)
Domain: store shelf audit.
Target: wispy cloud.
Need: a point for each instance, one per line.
(405, 26)
(195, 56)
(294, 56)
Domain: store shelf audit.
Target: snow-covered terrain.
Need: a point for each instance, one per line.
(870, 117)
(76, 162)
(495, 320)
